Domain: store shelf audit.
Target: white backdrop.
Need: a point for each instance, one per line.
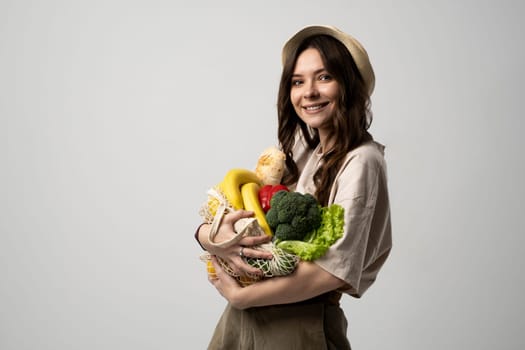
(116, 116)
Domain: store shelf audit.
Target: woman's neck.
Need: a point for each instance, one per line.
(326, 142)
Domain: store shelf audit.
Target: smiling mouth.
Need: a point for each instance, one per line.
(315, 107)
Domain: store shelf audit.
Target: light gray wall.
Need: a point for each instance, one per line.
(116, 116)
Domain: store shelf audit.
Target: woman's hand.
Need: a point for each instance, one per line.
(227, 286)
(234, 255)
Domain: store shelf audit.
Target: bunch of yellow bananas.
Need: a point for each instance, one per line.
(240, 190)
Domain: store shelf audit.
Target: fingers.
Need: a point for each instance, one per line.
(242, 268)
(237, 214)
(236, 261)
(237, 265)
(226, 231)
(249, 241)
(250, 252)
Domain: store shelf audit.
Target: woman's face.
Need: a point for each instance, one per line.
(314, 92)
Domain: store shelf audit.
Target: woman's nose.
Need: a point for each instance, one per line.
(311, 91)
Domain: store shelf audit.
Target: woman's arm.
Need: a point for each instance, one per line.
(307, 281)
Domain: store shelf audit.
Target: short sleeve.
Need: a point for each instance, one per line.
(361, 189)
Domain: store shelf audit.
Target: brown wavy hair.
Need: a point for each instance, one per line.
(350, 121)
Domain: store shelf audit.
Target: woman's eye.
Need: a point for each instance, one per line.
(296, 82)
(325, 77)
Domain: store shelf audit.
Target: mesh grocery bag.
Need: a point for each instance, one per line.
(281, 264)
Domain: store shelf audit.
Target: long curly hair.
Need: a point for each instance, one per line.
(350, 121)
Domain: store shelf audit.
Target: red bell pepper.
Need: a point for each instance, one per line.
(266, 192)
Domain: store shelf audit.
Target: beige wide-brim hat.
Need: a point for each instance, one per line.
(355, 48)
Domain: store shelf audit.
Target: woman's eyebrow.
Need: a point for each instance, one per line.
(317, 71)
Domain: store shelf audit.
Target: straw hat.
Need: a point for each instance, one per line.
(355, 48)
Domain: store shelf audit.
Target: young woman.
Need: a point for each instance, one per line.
(324, 115)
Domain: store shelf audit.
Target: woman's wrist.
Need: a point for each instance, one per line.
(201, 235)
(238, 298)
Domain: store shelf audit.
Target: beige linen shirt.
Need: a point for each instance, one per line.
(360, 187)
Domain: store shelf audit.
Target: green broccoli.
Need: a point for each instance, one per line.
(292, 215)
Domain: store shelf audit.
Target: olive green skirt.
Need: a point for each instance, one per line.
(315, 324)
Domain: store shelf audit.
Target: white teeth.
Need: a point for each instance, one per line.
(313, 108)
